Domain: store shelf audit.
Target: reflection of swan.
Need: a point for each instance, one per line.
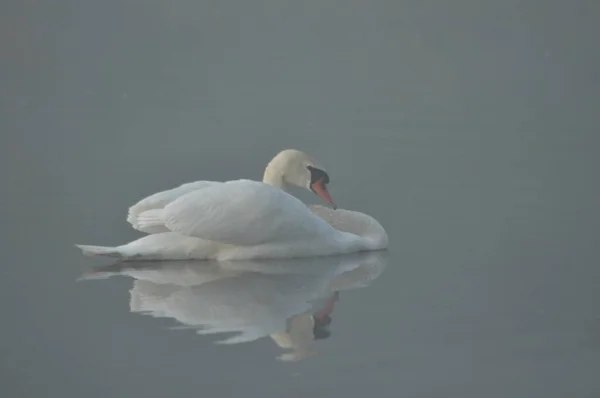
(289, 300)
(246, 219)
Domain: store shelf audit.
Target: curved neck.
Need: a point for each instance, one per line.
(273, 177)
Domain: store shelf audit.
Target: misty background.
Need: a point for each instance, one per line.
(468, 128)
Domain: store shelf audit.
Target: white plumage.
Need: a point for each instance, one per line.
(246, 219)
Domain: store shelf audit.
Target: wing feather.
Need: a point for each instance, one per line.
(158, 201)
(243, 212)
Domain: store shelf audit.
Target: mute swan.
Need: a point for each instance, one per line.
(244, 219)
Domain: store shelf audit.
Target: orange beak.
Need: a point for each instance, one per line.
(319, 188)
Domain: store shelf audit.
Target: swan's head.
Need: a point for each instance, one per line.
(293, 167)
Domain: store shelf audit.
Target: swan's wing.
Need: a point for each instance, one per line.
(244, 213)
(158, 201)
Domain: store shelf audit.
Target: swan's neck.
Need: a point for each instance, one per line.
(274, 176)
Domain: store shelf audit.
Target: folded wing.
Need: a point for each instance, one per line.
(158, 201)
(242, 212)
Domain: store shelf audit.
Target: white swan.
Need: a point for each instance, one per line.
(246, 219)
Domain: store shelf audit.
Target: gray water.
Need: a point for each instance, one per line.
(468, 128)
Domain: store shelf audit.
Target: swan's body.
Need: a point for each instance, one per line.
(246, 219)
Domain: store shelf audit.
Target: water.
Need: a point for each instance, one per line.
(468, 130)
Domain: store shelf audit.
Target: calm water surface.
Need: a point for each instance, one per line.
(469, 130)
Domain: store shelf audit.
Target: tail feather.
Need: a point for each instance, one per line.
(89, 250)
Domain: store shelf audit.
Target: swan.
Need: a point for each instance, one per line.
(289, 300)
(245, 219)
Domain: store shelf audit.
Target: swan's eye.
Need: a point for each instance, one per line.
(317, 174)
